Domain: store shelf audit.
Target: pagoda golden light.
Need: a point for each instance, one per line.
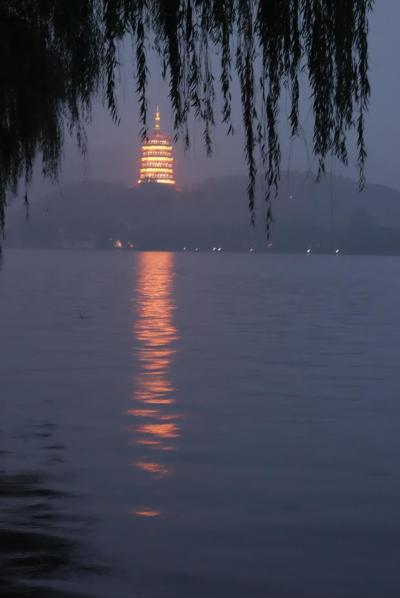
(157, 162)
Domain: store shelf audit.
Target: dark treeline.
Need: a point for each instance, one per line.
(55, 57)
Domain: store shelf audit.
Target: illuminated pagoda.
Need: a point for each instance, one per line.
(157, 162)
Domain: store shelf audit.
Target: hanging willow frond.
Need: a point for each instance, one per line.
(56, 56)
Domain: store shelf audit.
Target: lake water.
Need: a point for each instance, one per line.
(199, 425)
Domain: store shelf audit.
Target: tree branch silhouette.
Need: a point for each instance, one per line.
(55, 57)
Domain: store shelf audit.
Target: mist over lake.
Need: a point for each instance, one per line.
(330, 215)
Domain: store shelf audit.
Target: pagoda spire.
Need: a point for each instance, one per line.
(157, 119)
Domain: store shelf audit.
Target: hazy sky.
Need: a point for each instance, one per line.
(114, 151)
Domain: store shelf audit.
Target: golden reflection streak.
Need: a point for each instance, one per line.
(145, 513)
(160, 430)
(155, 468)
(157, 427)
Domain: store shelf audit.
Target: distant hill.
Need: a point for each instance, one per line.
(213, 214)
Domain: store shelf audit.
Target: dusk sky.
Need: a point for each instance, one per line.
(113, 151)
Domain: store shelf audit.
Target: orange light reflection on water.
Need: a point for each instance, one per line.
(155, 468)
(160, 430)
(157, 424)
(145, 513)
